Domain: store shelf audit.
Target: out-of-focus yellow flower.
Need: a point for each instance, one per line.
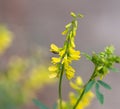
(64, 105)
(78, 86)
(85, 102)
(79, 81)
(53, 71)
(53, 68)
(5, 38)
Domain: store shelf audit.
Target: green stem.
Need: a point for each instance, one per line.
(79, 99)
(83, 92)
(60, 87)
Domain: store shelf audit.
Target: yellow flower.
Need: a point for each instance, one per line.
(78, 86)
(64, 32)
(5, 39)
(55, 60)
(79, 81)
(69, 71)
(74, 54)
(53, 75)
(72, 98)
(53, 71)
(53, 68)
(72, 42)
(54, 48)
(62, 52)
(69, 74)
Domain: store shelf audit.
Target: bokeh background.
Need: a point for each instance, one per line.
(38, 23)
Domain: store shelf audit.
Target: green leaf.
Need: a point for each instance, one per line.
(114, 70)
(99, 95)
(39, 104)
(89, 85)
(105, 85)
(55, 106)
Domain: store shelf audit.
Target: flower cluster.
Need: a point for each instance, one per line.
(78, 86)
(104, 61)
(67, 53)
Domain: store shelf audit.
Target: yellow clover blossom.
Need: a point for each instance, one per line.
(67, 53)
(78, 86)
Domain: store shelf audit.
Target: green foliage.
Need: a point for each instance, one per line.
(105, 85)
(39, 104)
(89, 85)
(99, 95)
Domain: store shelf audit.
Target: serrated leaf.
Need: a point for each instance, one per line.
(105, 85)
(114, 70)
(39, 104)
(89, 85)
(99, 95)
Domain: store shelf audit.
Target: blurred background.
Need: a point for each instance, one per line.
(35, 25)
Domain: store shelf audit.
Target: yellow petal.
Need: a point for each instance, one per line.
(69, 74)
(55, 60)
(54, 48)
(79, 81)
(53, 75)
(53, 68)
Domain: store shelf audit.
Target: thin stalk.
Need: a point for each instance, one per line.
(60, 87)
(83, 92)
(79, 99)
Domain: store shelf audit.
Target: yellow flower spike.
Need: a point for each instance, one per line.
(55, 60)
(54, 48)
